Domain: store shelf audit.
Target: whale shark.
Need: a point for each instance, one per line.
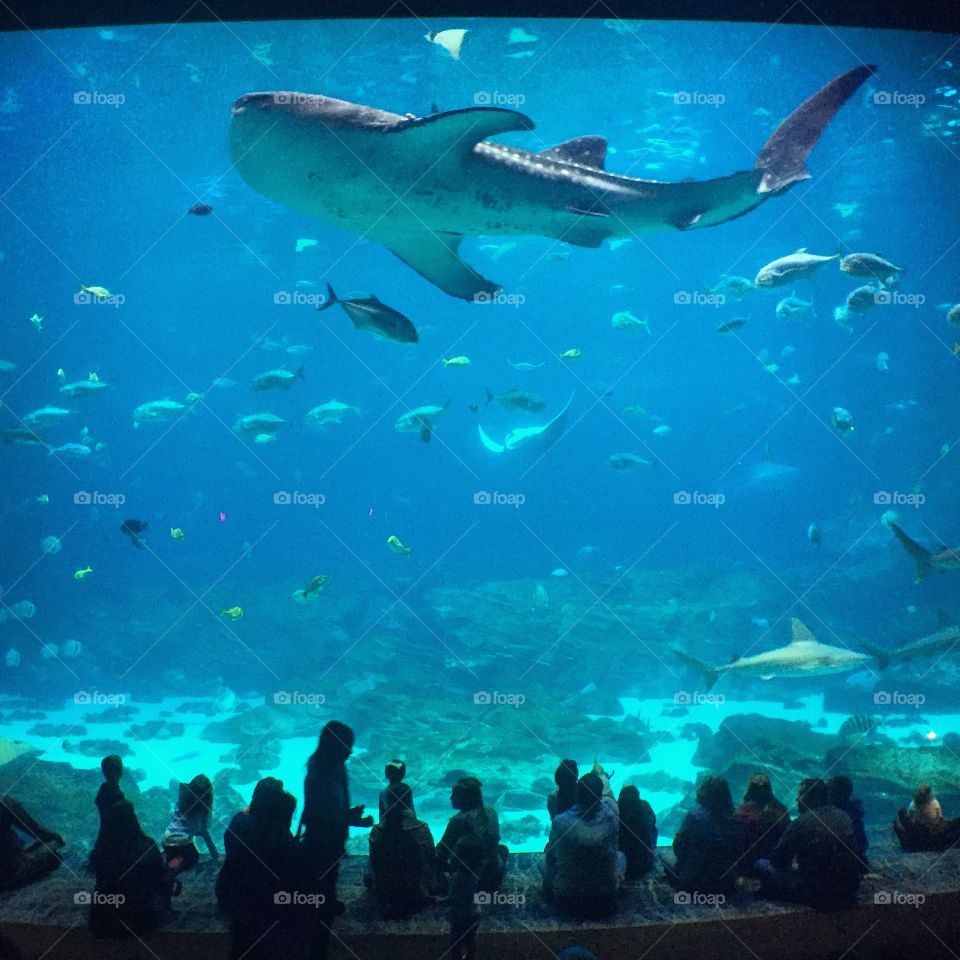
(528, 438)
(419, 185)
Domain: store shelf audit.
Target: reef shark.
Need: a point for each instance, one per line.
(804, 656)
(419, 185)
(946, 558)
(528, 438)
(943, 641)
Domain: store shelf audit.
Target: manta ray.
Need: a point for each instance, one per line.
(529, 438)
(419, 185)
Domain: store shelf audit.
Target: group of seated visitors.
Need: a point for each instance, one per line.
(278, 891)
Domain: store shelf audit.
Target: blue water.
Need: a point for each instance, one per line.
(96, 194)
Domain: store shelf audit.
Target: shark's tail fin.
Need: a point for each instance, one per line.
(331, 298)
(881, 654)
(921, 555)
(708, 670)
(784, 155)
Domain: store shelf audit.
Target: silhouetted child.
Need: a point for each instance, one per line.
(464, 900)
(394, 771)
(638, 832)
(191, 818)
(841, 795)
(109, 792)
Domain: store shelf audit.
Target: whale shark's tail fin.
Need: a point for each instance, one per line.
(921, 555)
(784, 155)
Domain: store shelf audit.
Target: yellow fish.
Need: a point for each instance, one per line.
(456, 362)
(61, 375)
(95, 291)
(395, 544)
(43, 498)
(176, 533)
(573, 354)
(37, 321)
(93, 377)
(82, 574)
(232, 613)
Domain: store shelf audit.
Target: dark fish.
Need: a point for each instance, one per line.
(731, 325)
(22, 435)
(515, 399)
(200, 209)
(190, 755)
(370, 314)
(133, 529)
(858, 726)
(475, 407)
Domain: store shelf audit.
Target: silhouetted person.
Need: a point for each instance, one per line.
(22, 863)
(109, 792)
(840, 788)
(708, 844)
(565, 796)
(638, 832)
(763, 819)
(403, 860)
(191, 818)
(394, 771)
(477, 820)
(922, 826)
(133, 885)
(822, 842)
(326, 821)
(463, 897)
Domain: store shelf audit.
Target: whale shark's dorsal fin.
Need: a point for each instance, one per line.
(800, 633)
(587, 151)
(442, 132)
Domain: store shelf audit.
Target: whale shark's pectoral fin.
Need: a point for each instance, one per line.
(587, 151)
(491, 445)
(434, 256)
(452, 130)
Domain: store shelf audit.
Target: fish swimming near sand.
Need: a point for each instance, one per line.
(302, 150)
(804, 656)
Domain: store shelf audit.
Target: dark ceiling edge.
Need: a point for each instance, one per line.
(919, 15)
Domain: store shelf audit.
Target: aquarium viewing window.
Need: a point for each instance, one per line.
(512, 408)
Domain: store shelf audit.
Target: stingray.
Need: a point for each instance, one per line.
(528, 438)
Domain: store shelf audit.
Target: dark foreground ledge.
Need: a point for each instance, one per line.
(909, 907)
